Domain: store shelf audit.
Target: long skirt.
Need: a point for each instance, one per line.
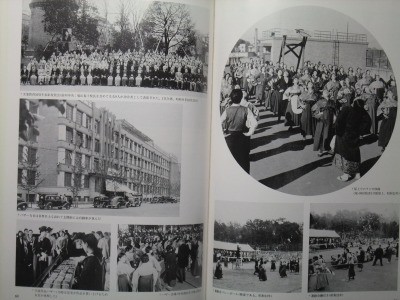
(372, 114)
(123, 283)
(239, 145)
(292, 119)
(352, 273)
(386, 128)
(268, 99)
(348, 167)
(276, 98)
(218, 272)
(307, 121)
(322, 281)
(323, 136)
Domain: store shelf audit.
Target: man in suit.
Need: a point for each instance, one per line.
(378, 255)
(183, 260)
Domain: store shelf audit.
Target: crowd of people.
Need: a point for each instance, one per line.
(35, 253)
(319, 271)
(287, 262)
(151, 69)
(336, 108)
(153, 259)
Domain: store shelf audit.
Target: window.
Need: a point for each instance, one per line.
(32, 155)
(86, 181)
(79, 139)
(97, 126)
(19, 176)
(97, 146)
(87, 162)
(20, 153)
(78, 180)
(31, 180)
(88, 122)
(96, 164)
(68, 157)
(67, 179)
(78, 160)
(69, 112)
(69, 134)
(79, 118)
(89, 142)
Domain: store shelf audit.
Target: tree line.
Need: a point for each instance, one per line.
(259, 233)
(345, 221)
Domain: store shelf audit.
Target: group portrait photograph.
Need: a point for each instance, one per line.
(114, 46)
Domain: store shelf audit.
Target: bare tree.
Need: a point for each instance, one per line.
(30, 178)
(171, 23)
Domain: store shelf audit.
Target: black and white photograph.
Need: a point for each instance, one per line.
(308, 105)
(258, 247)
(353, 247)
(157, 258)
(60, 255)
(99, 158)
(120, 46)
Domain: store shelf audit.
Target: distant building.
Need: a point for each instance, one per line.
(102, 144)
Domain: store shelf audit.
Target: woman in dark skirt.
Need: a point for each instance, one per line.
(273, 265)
(352, 122)
(388, 110)
(239, 124)
(324, 112)
(218, 270)
(307, 100)
(350, 261)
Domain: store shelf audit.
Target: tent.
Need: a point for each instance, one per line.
(232, 246)
(323, 239)
(318, 233)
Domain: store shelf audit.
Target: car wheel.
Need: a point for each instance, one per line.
(67, 206)
(23, 207)
(104, 205)
(118, 205)
(95, 206)
(49, 206)
(127, 205)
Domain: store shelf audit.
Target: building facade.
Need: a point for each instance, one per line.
(81, 150)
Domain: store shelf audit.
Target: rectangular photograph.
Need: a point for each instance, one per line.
(258, 247)
(56, 255)
(99, 158)
(353, 247)
(156, 258)
(114, 46)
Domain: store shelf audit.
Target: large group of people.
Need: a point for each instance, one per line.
(37, 253)
(153, 259)
(346, 259)
(151, 69)
(335, 107)
(286, 262)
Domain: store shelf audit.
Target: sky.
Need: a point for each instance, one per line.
(310, 18)
(241, 212)
(388, 211)
(161, 122)
(199, 15)
(57, 226)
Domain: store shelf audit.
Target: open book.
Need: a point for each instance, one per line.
(203, 149)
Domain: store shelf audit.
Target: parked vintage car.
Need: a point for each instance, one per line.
(115, 202)
(163, 199)
(53, 201)
(135, 201)
(101, 201)
(21, 204)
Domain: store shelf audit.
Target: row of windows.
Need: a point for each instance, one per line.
(76, 180)
(81, 118)
(81, 139)
(28, 177)
(27, 154)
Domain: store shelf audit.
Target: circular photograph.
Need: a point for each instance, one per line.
(307, 104)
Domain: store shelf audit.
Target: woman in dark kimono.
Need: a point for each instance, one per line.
(218, 270)
(352, 122)
(170, 267)
(307, 99)
(324, 112)
(388, 109)
(280, 86)
(262, 272)
(89, 274)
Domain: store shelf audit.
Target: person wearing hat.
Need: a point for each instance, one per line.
(239, 124)
(42, 249)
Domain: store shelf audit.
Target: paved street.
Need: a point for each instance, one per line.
(244, 279)
(111, 89)
(372, 278)
(145, 210)
(283, 160)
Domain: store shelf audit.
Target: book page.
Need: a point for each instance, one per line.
(105, 148)
(304, 197)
